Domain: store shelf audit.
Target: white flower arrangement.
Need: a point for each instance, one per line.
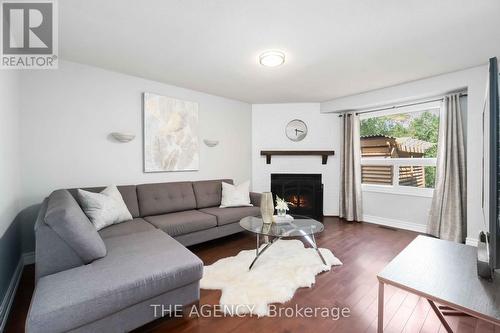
(281, 204)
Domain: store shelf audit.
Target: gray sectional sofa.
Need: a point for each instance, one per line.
(106, 281)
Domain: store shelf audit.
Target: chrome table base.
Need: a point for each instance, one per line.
(309, 238)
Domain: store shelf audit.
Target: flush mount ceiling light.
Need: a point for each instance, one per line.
(272, 58)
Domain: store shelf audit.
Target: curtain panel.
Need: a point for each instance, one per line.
(350, 169)
(447, 218)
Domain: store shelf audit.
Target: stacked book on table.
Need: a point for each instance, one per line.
(282, 219)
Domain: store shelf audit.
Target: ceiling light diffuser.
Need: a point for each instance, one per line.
(272, 58)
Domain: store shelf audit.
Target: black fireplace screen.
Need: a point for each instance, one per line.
(304, 192)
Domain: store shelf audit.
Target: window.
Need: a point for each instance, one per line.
(399, 149)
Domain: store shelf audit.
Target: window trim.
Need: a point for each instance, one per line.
(417, 161)
(395, 188)
(402, 109)
(398, 190)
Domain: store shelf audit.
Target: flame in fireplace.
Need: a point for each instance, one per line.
(298, 201)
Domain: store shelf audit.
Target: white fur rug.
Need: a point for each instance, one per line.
(285, 266)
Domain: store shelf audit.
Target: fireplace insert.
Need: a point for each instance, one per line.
(304, 192)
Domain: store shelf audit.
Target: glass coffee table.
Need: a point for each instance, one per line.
(300, 226)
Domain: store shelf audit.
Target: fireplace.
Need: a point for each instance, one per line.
(304, 192)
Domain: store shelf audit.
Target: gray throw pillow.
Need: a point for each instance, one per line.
(67, 219)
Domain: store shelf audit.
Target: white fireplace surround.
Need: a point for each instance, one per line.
(268, 133)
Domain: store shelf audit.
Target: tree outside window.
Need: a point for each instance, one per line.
(415, 132)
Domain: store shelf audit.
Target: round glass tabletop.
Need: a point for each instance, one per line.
(299, 226)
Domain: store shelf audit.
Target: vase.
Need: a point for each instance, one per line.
(281, 212)
(267, 207)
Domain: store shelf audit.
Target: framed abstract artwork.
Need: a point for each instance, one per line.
(170, 134)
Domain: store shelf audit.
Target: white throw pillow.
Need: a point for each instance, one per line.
(235, 195)
(105, 208)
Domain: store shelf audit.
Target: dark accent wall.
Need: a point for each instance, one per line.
(26, 220)
(10, 254)
(18, 239)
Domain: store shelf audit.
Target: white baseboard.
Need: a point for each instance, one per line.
(407, 226)
(471, 241)
(10, 294)
(394, 223)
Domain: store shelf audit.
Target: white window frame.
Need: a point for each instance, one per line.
(395, 188)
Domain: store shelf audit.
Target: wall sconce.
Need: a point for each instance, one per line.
(211, 143)
(123, 137)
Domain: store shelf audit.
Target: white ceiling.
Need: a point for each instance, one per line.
(334, 47)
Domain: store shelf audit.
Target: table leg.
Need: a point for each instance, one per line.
(312, 241)
(380, 326)
(440, 316)
(317, 250)
(263, 250)
(258, 244)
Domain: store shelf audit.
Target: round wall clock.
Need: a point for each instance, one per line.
(296, 130)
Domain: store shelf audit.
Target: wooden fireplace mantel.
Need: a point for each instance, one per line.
(323, 153)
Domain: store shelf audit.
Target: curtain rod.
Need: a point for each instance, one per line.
(396, 106)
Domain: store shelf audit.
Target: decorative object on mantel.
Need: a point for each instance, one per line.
(281, 206)
(211, 143)
(323, 153)
(296, 130)
(170, 134)
(267, 207)
(123, 136)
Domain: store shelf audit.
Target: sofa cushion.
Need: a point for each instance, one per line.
(230, 215)
(255, 198)
(67, 219)
(181, 223)
(52, 253)
(128, 192)
(126, 228)
(209, 192)
(138, 267)
(162, 198)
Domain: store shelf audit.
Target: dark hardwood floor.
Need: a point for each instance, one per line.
(363, 248)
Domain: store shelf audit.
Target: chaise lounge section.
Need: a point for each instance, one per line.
(90, 281)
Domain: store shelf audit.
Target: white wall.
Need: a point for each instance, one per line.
(268, 133)
(70, 112)
(474, 79)
(9, 148)
(396, 210)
